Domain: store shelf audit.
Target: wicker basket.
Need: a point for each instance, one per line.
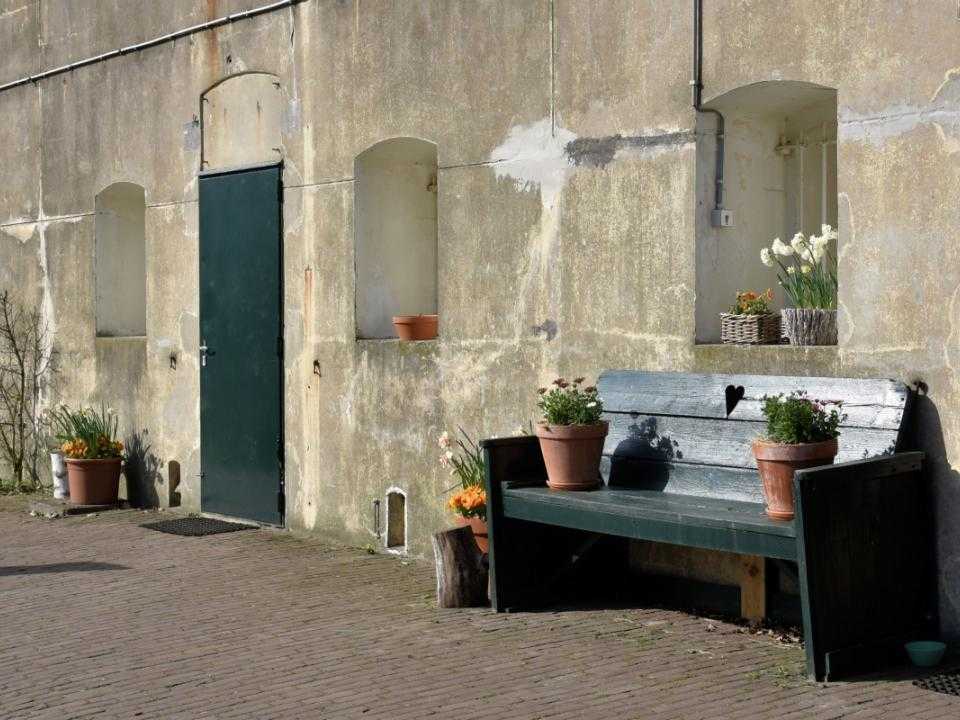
(750, 329)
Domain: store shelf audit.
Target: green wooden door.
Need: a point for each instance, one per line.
(241, 355)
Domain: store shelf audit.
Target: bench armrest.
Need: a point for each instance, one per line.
(866, 558)
(514, 460)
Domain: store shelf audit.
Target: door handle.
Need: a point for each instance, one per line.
(205, 351)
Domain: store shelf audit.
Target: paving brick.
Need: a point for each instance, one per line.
(105, 619)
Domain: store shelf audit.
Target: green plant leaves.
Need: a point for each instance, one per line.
(568, 403)
(796, 419)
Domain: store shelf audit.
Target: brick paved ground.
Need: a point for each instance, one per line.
(101, 618)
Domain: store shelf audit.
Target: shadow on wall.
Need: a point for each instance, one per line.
(142, 471)
(945, 501)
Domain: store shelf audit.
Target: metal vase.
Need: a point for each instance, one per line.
(809, 326)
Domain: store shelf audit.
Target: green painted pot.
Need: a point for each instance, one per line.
(925, 653)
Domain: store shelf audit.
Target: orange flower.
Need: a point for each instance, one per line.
(74, 449)
(468, 502)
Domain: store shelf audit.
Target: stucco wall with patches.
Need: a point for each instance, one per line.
(567, 202)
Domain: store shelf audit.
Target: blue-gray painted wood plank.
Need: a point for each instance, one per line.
(728, 483)
(869, 403)
(713, 441)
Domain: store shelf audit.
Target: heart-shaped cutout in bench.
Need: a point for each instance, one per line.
(734, 395)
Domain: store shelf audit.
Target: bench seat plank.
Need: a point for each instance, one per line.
(713, 523)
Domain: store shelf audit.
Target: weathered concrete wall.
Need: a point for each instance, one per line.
(567, 201)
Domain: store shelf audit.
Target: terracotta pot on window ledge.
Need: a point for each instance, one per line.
(415, 327)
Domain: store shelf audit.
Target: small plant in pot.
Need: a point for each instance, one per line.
(469, 503)
(801, 433)
(571, 434)
(750, 320)
(94, 455)
(807, 271)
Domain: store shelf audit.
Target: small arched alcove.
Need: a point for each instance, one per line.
(241, 121)
(396, 519)
(395, 220)
(780, 178)
(120, 261)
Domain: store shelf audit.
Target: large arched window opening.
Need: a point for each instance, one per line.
(395, 220)
(780, 178)
(121, 261)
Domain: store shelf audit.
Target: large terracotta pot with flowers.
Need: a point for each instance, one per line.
(801, 433)
(462, 457)
(93, 455)
(571, 435)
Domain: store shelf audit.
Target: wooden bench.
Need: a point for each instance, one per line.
(678, 468)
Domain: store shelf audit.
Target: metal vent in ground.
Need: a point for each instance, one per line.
(946, 683)
(196, 526)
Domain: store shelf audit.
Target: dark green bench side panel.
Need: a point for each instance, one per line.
(867, 573)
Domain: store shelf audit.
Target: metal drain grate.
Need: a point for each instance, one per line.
(196, 526)
(946, 683)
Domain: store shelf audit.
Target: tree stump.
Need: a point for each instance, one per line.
(461, 571)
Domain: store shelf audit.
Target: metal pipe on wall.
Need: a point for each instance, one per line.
(210, 24)
(697, 84)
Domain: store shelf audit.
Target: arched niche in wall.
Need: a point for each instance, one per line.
(396, 519)
(120, 261)
(241, 119)
(395, 221)
(780, 178)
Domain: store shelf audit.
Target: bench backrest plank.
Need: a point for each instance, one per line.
(691, 433)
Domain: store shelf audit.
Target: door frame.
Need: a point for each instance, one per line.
(281, 379)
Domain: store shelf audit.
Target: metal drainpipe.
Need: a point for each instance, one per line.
(697, 84)
(216, 22)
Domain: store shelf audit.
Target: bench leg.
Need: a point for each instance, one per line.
(753, 587)
(514, 549)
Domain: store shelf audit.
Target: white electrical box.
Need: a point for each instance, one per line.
(721, 217)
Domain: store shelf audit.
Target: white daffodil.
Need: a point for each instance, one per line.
(807, 255)
(828, 232)
(780, 248)
(791, 270)
(444, 440)
(798, 243)
(818, 252)
(766, 258)
(806, 269)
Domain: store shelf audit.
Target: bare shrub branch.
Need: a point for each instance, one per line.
(26, 362)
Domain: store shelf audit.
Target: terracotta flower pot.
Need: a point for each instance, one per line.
(415, 327)
(777, 463)
(94, 482)
(479, 527)
(572, 454)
